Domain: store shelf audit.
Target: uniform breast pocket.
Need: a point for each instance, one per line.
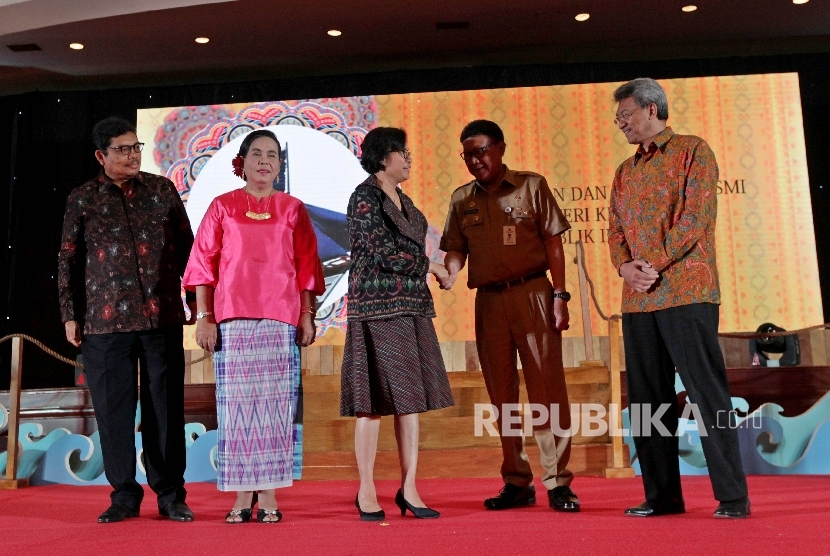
(523, 217)
(472, 226)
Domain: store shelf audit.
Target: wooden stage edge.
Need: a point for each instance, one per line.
(447, 448)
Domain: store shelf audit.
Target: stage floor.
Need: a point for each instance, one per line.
(789, 516)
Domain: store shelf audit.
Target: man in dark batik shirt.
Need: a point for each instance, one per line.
(126, 241)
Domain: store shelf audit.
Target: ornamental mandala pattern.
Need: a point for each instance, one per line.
(204, 144)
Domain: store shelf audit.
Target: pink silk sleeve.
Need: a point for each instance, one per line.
(203, 264)
(306, 258)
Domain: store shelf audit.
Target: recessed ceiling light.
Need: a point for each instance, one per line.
(76, 46)
(689, 8)
(800, 1)
(334, 33)
(582, 17)
(202, 40)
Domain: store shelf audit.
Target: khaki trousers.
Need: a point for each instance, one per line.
(521, 320)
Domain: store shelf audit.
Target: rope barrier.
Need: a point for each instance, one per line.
(581, 248)
(740, 335)
(67, 360)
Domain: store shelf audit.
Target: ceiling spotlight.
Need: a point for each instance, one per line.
(582, 17)
(689, 8)
(334, 33)
(76, 46)
(800, 1)
(202, 40)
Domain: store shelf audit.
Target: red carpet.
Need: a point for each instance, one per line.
(790, 516)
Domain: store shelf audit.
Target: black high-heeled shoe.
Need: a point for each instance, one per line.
(244, 514)
(420, 513)
(369, 516)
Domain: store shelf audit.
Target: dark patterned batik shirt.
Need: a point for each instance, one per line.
(663, 211)
(122, 255)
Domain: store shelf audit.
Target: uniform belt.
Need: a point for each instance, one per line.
(502, 286)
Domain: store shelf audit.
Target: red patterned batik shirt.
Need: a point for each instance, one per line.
(123, 254)
(663, 211)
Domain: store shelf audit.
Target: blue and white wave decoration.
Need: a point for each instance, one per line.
(75, 459)
(771, 444)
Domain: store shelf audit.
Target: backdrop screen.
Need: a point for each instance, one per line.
(765, 239)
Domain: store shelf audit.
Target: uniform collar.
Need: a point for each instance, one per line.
(509, 179)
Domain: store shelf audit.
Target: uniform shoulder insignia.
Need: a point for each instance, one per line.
(460, 187)
(525, 173)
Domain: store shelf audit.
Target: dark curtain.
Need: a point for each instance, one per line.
(46, 150)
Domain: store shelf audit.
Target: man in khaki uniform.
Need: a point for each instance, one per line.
(508, 224)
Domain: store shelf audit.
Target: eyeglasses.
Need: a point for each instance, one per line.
(475, 153)
(406, 153)
(624, 116)
(127, 149)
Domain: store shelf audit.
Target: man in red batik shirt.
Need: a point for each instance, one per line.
(662, 241)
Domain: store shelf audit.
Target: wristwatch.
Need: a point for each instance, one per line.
(203, 314)
(565, 296)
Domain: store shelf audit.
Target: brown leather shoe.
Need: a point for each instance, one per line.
(653, 508)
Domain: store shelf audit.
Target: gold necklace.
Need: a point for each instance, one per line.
(258, 215)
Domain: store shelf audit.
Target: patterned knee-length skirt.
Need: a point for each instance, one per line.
(393, 367)
(258, 389)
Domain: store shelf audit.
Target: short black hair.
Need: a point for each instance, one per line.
(482, 127)
(253, 136)
(377, 144)
(108, 129)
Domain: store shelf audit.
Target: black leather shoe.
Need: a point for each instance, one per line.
(177, 511)
(652, 508)
(116, 513)
(737, 509)
(563, 499)
(512, 496)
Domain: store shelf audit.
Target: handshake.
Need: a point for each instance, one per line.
(445, 278)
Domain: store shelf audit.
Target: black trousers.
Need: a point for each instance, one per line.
(683, 338)
(109, 364)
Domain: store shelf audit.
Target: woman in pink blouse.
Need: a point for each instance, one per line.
(255, 270)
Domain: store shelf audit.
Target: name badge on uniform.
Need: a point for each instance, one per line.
(509, 234)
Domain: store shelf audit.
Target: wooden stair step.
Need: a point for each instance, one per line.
(481, 462)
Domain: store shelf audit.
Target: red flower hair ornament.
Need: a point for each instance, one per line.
(238, 165)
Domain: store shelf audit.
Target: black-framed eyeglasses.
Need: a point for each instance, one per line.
(405, 153)
(127, 149)
(475, 153)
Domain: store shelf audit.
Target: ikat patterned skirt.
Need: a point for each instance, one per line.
(257, 370)
(393, 367)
